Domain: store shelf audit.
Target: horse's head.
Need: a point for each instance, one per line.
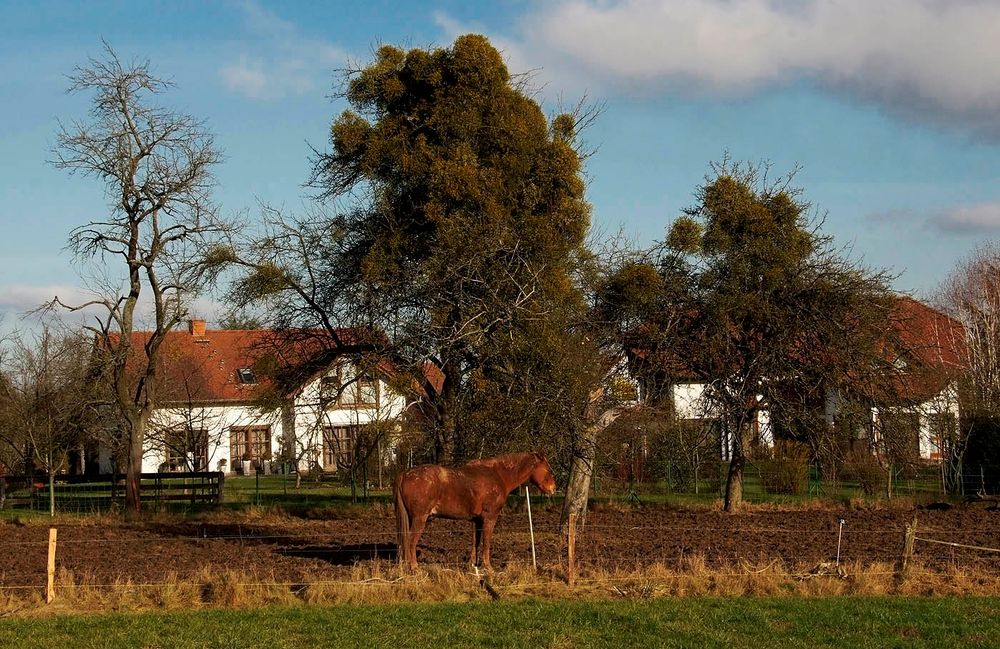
(541, 476)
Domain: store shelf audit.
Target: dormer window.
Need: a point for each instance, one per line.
(329, 389)
(246, 376)
(367, 390)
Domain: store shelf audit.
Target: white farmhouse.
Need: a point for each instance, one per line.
(241, 400)
(918, 402)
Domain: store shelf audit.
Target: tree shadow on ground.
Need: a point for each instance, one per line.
(343, 555)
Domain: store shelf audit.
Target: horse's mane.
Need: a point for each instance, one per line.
(508, 460)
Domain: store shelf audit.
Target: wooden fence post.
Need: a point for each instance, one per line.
(908, 538)
(571, 551)
(531, 530)
(50, 589)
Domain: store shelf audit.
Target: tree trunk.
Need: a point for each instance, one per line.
(133, 467)
(444, 449)
(582, 470)
(52, 493)
(580, 474)
(737, 463)
(734, 481)
(444, 404)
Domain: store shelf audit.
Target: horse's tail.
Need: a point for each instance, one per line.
(402, 519)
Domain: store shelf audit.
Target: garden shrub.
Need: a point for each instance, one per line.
(785, 474)
(864, 468)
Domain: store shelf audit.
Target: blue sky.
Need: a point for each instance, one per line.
(892, 109)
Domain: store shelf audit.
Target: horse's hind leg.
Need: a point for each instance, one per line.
(404, 550)
(418, 523)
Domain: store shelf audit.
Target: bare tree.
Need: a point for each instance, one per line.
(971, 295)
(594, 364)
(156, 168)
(186, 428)
(47, 401)
(599, 414)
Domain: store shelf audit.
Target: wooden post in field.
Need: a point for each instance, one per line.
(50, 590)
(908, 538)
(531, 530)
(571, 551)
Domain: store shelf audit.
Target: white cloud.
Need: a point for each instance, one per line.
(25, 297)
(969, 219)
(247, 78)
(20, 306)
(936, 60)
(280, 61)
(980, 218)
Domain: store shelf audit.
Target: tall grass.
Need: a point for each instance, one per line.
(381, 582)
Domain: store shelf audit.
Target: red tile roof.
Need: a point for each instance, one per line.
(933, 346)
(205, 368)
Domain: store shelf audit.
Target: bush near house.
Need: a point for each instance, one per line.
(864, 469)
(784, 474)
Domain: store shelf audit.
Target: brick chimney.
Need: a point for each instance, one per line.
(197, 328)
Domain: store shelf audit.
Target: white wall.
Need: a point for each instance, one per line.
(217, 420)
(945, 403)
(308, 421)
(690, 401)
(310, 416)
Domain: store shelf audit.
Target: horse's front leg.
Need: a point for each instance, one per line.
(488, 524)
(477, 537)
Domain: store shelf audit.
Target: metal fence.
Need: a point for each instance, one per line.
(765, 479)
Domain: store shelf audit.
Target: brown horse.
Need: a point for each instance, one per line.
(475, 492)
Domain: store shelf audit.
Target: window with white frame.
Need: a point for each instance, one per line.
(250, 443)
(338, 446)
(363, 392)
(329, 389)
(186, 449)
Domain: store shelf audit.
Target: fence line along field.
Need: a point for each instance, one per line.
(330, 546)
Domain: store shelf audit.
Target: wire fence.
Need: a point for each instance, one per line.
(783, 477)
(764, 480)
(623, 536)
(190, 492)
(140, 556)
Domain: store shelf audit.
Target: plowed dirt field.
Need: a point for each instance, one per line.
(327, 543)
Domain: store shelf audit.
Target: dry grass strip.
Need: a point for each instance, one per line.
(380, 582)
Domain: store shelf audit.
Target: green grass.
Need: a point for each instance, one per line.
(747, 622)
(279, 490)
